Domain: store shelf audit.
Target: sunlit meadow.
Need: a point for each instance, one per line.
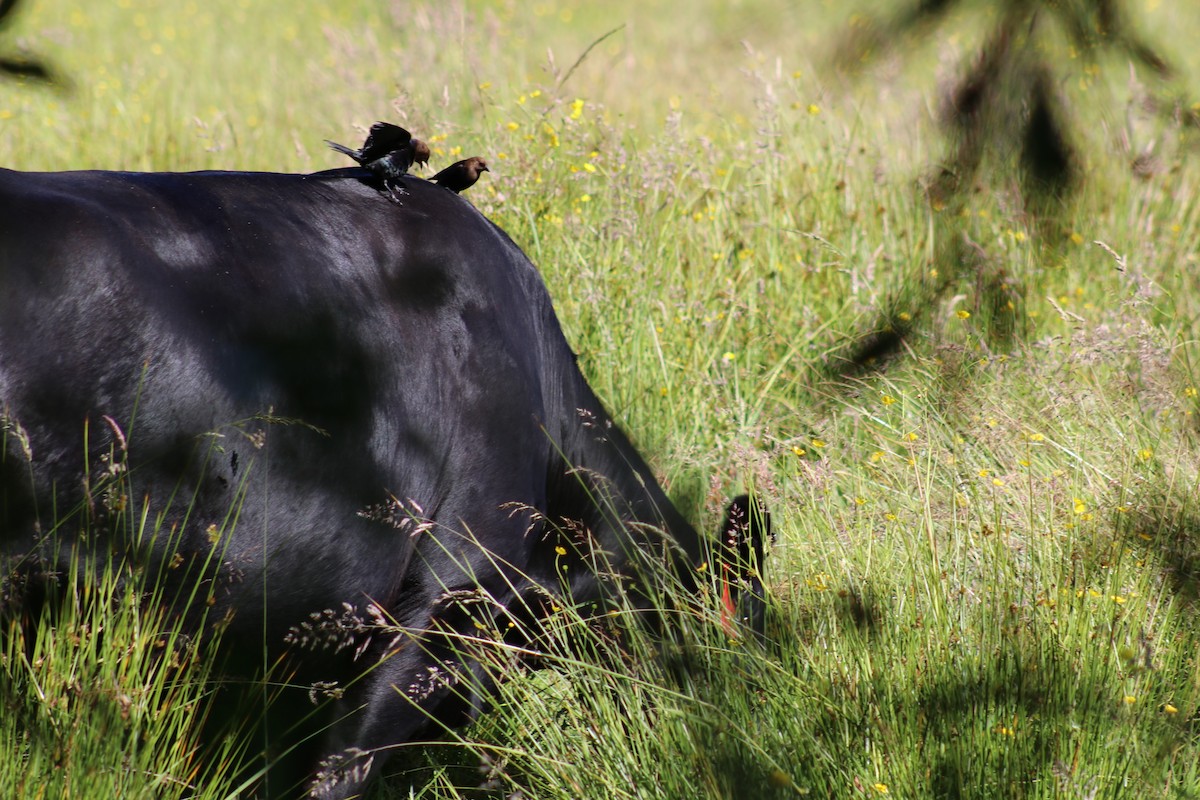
(986, 577)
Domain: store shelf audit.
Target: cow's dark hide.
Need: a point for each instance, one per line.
(341, 411)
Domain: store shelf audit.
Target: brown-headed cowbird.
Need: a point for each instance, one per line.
(461, 174)
(388, 152)
(420, 153)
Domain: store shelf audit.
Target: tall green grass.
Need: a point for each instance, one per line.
(985, 578)
(104, 694)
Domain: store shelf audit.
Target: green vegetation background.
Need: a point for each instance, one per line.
(985, 581)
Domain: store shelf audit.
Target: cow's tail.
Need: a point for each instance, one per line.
(739, 565)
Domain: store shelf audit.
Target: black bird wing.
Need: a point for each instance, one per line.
(453, 178)
(384, 138)
(441, 176)
(452, 175)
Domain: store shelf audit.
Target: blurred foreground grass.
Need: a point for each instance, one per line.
(988, 564)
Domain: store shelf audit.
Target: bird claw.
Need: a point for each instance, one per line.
(394, 194)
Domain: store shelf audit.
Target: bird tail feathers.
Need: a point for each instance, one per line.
(341, 148)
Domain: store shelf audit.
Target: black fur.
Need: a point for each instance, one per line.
(382, 392)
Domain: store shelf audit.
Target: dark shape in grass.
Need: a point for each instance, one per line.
(1002, 115)
(1091, 24)
(6, 9)
(1021, 694)
(872, 351)
(1001, 303)
(1047, 159)
(736, 765)
(968, 113)
(860, 607)
(1009, 72)
(25, 67)
(1170, 525)
(1108, 25)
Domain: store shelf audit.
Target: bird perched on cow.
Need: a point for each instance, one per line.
(461, 174)
(388, 152)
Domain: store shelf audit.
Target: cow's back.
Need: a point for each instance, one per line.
(287, 342)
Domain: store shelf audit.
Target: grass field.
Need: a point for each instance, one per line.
(986, 580)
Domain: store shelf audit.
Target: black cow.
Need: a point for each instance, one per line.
(341, 409)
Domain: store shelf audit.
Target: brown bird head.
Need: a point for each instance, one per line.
(461, 174)
(420, 152)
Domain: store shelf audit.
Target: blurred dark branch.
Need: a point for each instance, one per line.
(26, 68)
(1101, 23)
(869, 39)
(1005, 114)
(6, 9)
